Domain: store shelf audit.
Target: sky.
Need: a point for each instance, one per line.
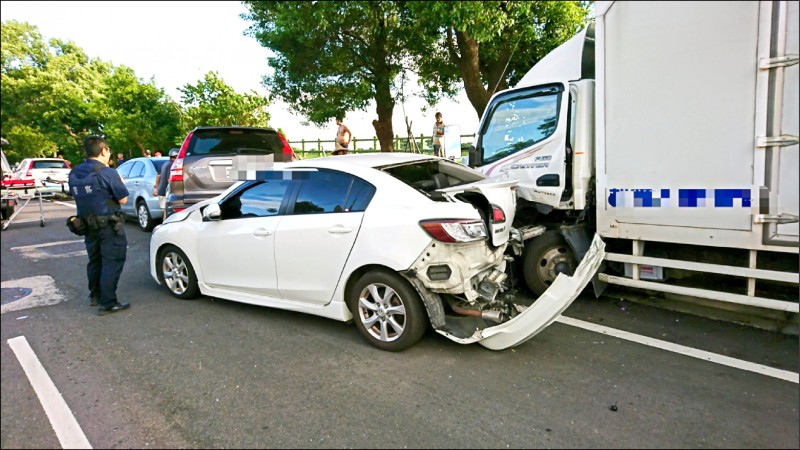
(177, 43)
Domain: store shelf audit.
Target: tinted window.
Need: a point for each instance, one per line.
(262, 200)
(137, 170)
(323, 192)
(519, 122)
(158, 164)
(125, 169)
(50, 165)
(360, 195)
(229, 142)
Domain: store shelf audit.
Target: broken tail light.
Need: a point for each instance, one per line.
(498, 216)
(455, 230)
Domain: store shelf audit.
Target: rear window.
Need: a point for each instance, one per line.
(231, 142)
(50, 165)
(159, 164)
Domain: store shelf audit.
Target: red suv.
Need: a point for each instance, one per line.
(203, 167)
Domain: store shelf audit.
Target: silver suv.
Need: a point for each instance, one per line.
(202, 168)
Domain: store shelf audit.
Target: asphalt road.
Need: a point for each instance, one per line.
(212, 374)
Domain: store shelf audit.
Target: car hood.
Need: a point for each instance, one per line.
(498, 192)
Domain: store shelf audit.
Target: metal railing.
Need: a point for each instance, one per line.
(312, 148)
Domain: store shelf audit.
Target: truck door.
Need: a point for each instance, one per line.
(523, 136)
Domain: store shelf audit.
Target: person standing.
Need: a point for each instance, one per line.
(438, 133)
(343, 136)
(120, 159)
(98, 191)
(162, 182)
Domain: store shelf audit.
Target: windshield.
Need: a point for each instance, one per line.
(519, 121)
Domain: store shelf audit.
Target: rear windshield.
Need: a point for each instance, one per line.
(50, 165)
(232, 142)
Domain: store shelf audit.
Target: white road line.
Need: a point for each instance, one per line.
(683, 350)
(69, 432)
(72, 205)
(49, 244)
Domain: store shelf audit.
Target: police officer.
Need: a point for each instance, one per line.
(98, 191)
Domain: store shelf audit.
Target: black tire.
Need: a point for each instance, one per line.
(545, 257)
(177, 273)
(7, 211)
(143, 217)
(394, 328)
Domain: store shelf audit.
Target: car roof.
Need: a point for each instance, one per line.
(272, 130)
(372, 160)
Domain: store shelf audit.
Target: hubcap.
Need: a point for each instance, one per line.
(175, 272)
(554, 261)
(143, 219)
(382, 312)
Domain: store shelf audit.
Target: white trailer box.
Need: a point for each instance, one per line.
(697, 123)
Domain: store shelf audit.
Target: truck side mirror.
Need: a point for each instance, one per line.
(473, 156)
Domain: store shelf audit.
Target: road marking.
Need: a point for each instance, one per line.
(43, 293)
(34, 252)
(71, 205)
(683, 350)
(69, 432)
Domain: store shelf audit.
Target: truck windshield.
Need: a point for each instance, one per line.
(516, 123)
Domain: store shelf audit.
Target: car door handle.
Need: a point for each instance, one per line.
(262, 232)
(339, 229)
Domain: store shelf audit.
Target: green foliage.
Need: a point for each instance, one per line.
(211, 102)
(489, 45)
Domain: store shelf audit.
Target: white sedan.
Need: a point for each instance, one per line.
(394, 242)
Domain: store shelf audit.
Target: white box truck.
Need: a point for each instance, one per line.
(671, 130)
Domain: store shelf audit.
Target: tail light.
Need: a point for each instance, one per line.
(455, 230)
(29, 173)
(288, 153)
(176, 171)
(498, 216)
(67, 163)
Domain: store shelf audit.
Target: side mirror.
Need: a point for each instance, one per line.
(212, 212)
(473, 156)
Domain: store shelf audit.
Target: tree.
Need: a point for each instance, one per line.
(47, 93)
(488, 45)
(211, 102)
(335, 57)
(136, 114)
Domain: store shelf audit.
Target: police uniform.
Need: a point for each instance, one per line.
(97, 190)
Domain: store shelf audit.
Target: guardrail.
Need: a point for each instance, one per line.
(311, 148)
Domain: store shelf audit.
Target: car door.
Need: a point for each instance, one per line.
(135, 183)
(237, 252)
(314, 241)
(124, 172)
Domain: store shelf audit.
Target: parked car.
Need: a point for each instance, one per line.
(394, 242)
(43, 170)
(139, 176)
(202, 169)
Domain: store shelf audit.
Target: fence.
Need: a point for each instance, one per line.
(306, 149)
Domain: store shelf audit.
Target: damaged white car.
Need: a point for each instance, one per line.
(394, 242)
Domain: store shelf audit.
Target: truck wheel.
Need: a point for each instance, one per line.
(544, 258)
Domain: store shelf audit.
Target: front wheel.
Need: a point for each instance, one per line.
(143, 214)
(177, 273)
(545, 257)
(388, 311)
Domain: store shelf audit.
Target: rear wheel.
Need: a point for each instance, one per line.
(177, 273)
(143, 215)
(545, 257)
(388, 311)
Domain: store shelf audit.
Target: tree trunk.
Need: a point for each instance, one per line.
(470, 72)
(384, 107)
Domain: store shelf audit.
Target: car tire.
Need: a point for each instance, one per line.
(387, 311)
(143, 216)
(544, 258)
(177, 273)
